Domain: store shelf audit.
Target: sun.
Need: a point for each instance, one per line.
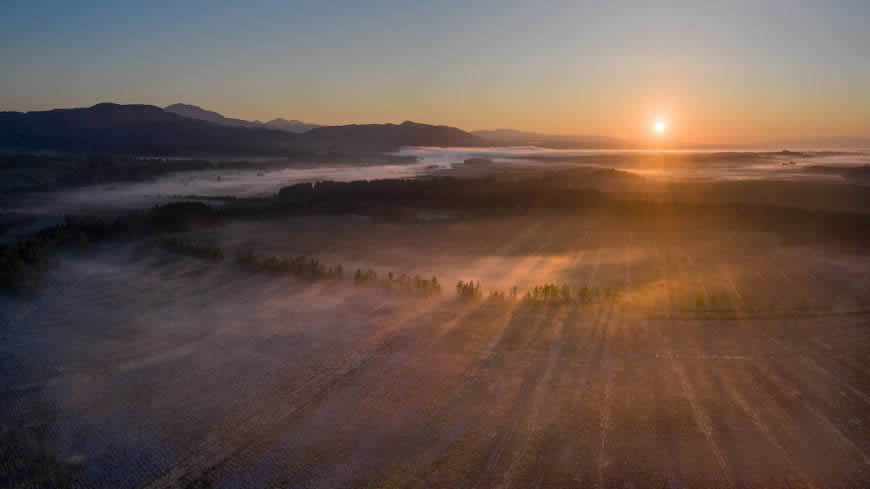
(659, 126)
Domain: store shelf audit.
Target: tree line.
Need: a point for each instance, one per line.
(299, 266)
(23, 262)
(398, 281)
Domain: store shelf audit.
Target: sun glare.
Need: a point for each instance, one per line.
(659, 126)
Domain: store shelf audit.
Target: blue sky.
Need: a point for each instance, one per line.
(715, 70)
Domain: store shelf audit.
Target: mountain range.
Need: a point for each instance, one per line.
(380, 136)
(194, 112)
(188, 129)
(405, 132)
(142, 129)
(146, 129)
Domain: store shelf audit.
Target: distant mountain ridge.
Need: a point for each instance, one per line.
(290, 126)
(146, 129)
(195, 112)
(188, 129)
(113, 128)
(380, 137)
(495, 137)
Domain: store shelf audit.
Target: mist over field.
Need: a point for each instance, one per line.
(822, 165)
(208, 183)
(675, 164)
(133, 361)
(689, 319)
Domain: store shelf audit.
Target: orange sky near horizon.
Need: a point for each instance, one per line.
(689, 121)
(720, 73)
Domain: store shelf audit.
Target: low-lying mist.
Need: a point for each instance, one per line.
(675, 164)
(821, 166)
(584, 320)
(132, 359)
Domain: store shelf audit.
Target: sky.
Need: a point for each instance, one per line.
(725, 73)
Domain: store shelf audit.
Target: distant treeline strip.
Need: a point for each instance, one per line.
(23, 261)
(803, 211)
(713, 305)
(309, 268)
(312, 269)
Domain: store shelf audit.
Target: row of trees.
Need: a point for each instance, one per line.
(547, 293)
(299, 266)
(312, 269)
(23, 261)
(191, 248)
(468, 290)
(716, 302)
(305, 267)
(402, 281)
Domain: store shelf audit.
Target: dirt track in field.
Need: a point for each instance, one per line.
(158, 371)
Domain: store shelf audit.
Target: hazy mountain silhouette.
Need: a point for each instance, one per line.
(510, 137)
(384, 137)
(145, 129)
(290, 126)
(194, 112)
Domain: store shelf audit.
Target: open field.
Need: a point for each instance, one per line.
(139, 367)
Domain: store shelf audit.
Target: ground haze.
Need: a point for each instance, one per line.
(720, 351)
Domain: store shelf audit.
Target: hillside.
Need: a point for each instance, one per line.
(194, 112)
(290, 126)
(143, 129)
(146, 129)
(386, 137)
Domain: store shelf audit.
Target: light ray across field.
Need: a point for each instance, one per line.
(255, 379)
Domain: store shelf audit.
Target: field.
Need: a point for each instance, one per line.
(729, 358)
